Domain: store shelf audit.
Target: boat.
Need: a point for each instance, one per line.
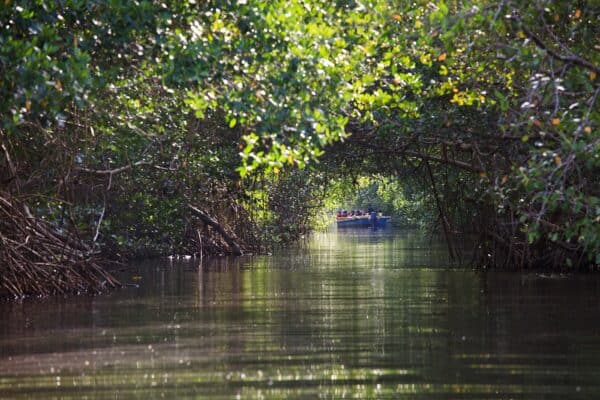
(361, 221)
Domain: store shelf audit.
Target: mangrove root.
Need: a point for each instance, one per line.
(38, 260)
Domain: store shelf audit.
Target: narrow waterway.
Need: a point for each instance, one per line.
(351, 314)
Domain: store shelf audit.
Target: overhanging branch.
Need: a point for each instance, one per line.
(572, 58)
(112, 171)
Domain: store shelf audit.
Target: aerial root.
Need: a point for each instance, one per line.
(38, 260)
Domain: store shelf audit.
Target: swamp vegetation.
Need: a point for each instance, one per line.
(224, 127)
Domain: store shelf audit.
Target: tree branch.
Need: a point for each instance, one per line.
(574, 59)
(112, 171)
(235, 247)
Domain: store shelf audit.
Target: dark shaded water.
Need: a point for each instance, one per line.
(354, 315)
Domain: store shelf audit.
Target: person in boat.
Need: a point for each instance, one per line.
(339, 214)
(344, 213)
(373, 219)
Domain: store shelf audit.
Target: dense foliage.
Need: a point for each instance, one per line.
(171, 126)
(494, 106)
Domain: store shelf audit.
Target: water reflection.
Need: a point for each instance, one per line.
(355, 314)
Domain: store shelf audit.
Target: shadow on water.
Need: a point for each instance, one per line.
(349, 314)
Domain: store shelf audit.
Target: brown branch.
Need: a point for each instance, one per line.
(445, 223)
(416, 154)
(229, 239)
(574, 59)
(112, 171)
(456, 163)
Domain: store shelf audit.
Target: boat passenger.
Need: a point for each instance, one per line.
(373, 219)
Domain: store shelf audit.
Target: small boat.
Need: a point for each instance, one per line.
(361, 221)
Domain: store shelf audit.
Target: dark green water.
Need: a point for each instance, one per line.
(353, 315)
